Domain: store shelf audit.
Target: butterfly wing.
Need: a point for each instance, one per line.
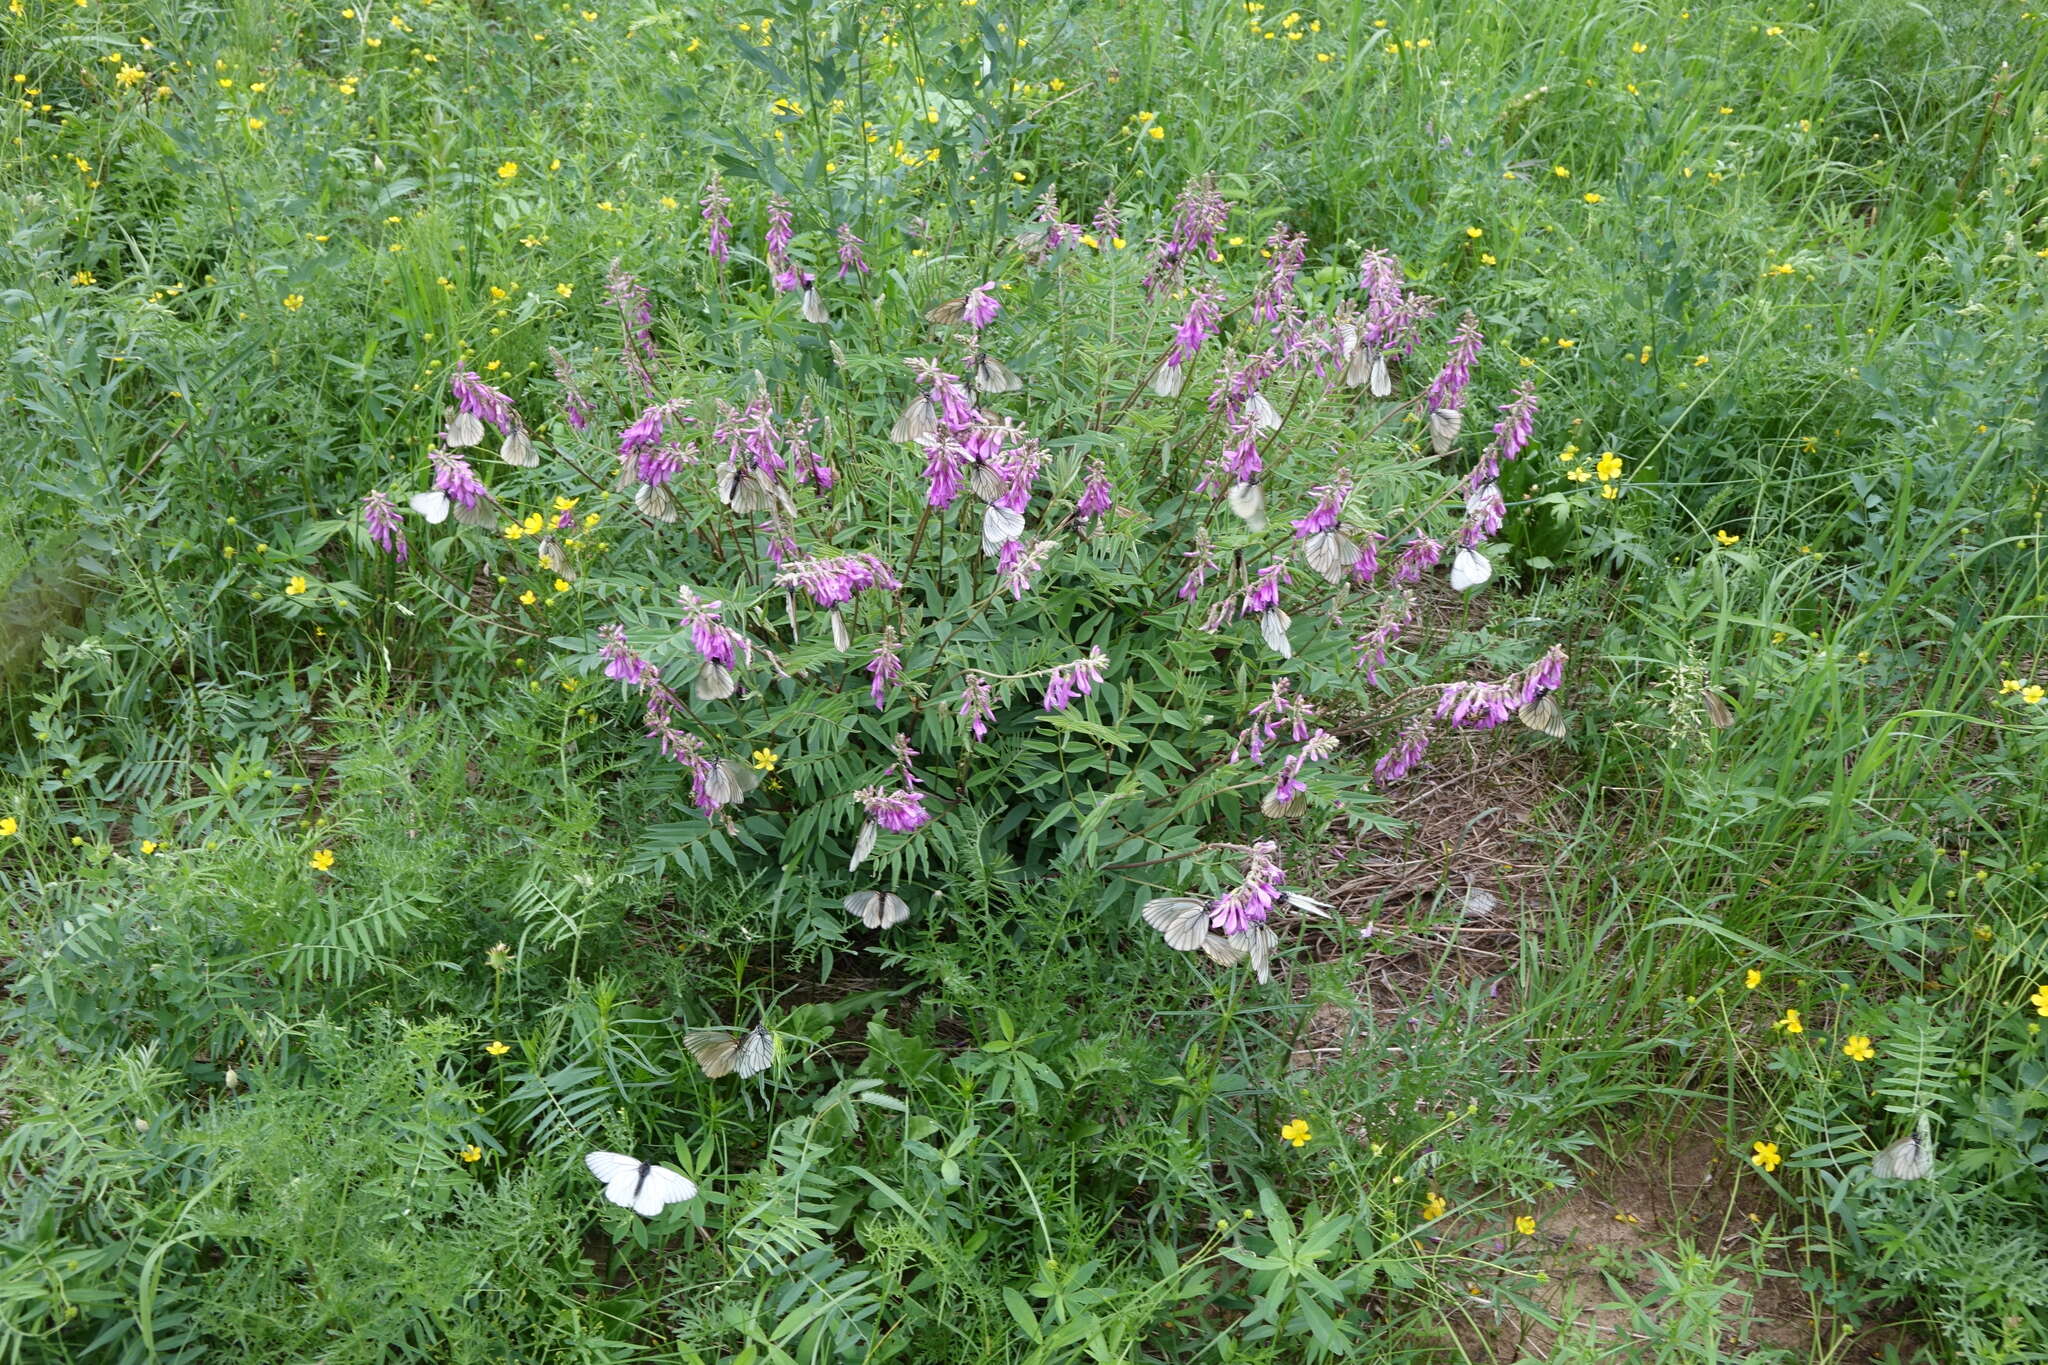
(1444, 426)
(654, 503)
(716, 1050)
(1273, 624)
(432, 504)
(1331, 554)
(661, 1188)
(1910, 1158)
(864, 845)
(1248, 501)
(1000, 526)
(993, 376)
(947, 312)
(518, 449)
(620, 1174)
(1221, 951)
(1718, 710)
(1257, 943)
(756, 1053)
(464, 429)
(609, 1166)
(1469, 569)
(1182, 921)
(1542, 714)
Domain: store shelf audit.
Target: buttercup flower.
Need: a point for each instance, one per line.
(1765, 1156)
(1525, 1225)
(765, 760)
(1296, 1131)
(322, 859)
(1858, 1048)
(1790, 1023)
(1433, 1207)
(2039, 1000)
(8, 826)
(1752, 978)
(496, 1049)
(471, 1153)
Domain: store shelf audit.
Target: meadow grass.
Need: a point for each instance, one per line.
(1788, 266)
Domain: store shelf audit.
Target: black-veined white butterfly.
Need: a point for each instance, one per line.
(1248, 501)
(1330, 553)
(1910, 1158)
(432, 505)
(654, 503)
(947, 312)
(1167, 380)
(465, 429)
(1000, 526)
(1469, 569)
(917, 420)
(641, 1186)
(1444, 426)
(993, 376)
(878, 909)
(729, 1052)
(1257, 942)
(1273, 624)
(1542, 713)
(814, 306)
(1182, 921)
(558, 563)
(518, 449)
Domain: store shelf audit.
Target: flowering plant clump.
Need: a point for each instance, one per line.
(997, 581)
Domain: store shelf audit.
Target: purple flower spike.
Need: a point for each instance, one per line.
(981, 307)
(386, 527)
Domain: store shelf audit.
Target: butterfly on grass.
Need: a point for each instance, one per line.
(730, 1052)
(641, 1186)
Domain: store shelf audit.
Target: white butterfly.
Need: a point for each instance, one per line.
(878, 909)
(726, 782)
(1167, 379)
(1248, 500)
(1542, 714)
(841, 639)
(864, 844)
(641, 1186)
(727, 1052)
(1257, 942)
(654, 503)
(432, 504)
(714, 682)
(744, 493)
(518, 449)
(1262, 412)
(993, 376)
(917, 420)
(552, 556)
(1330, 553)
(1381, 382)
(1444, 426)
(1182, 921)
(1000, 526)
(1222, 951)
(464, 429)
(814, 307)
(1910, 1158)
(1273, 624)
(1469, 569)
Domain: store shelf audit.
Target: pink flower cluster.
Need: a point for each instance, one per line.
(1472, 705)
(1078, 678)
(835, 581)
(1254, 899)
